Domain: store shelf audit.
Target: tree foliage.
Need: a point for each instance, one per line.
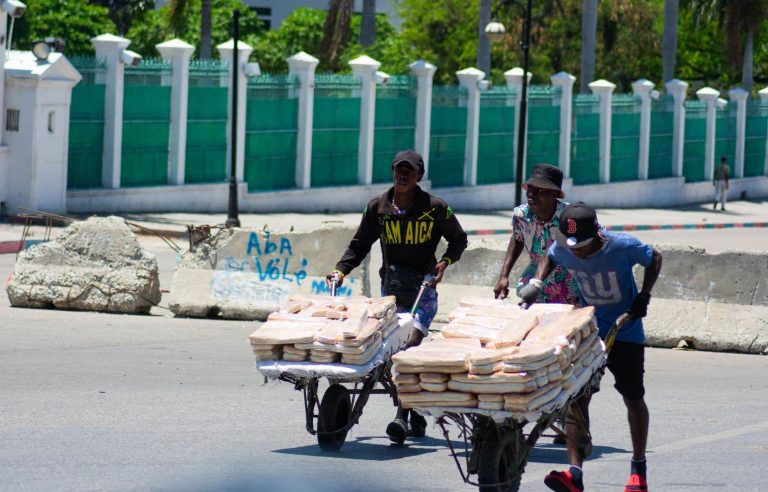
(156, 27)
(53, 18)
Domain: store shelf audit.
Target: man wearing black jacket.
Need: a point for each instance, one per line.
(409, 223)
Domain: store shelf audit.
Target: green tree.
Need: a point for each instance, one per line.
(155, 27)
(125, 12)
(336, 32)
(443, 33)
(46, 18)
(302, 30)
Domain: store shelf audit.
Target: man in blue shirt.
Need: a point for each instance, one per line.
(602, 262)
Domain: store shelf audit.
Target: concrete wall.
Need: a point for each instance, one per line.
(666, 192)
(242, 274)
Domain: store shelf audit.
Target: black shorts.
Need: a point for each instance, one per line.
(626, 361)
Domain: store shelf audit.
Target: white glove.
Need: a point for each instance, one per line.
(530, 292)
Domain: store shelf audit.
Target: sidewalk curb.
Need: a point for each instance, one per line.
(632, 227)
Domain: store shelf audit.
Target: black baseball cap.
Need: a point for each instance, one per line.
(546, 176)
(410, 157)
(578, 226)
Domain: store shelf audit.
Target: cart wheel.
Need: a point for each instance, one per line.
(335, 411)
(495, 459)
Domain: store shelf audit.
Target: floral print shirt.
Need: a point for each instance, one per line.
(536, 236)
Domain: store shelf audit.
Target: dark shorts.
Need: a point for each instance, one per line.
(626, 361)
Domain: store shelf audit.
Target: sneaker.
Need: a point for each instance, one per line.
(561, 482)
(397, 430)
(636, 483)
(418, 425)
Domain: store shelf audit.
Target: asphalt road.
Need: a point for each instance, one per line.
(116, 402)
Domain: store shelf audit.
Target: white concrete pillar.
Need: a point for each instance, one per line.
(3, 37)
(365, 67)
(303, 66)
(677, 89)
(177, 53)
(424, 73)
(514, 78)
(565, 82)
(642, 88)
(763, 93)
(740, 96)
(604, 90)
(226, 52)
(469, 78)
(109, 47)
(709, 96)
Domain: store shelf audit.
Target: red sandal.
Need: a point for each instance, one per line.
(636, 483)
(561, 482)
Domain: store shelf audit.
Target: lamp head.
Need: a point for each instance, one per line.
(495, 31)
(41, 50)
(14, 8)
(381, 78)
(251, 69)
(130, 58)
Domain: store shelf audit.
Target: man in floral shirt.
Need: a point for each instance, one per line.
(533, 226)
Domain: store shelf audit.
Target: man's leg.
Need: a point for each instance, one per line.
(637, 414)
(627, 363)
(724, 196)
(577, 428)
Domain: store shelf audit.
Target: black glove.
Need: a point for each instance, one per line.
(639, 307)
(530, 292)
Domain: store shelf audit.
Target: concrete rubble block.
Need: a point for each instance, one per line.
(94, 265)
(246, 274)
(711, 326)
(689, 273)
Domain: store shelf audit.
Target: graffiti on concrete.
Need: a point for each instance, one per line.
(320, 287)
(270, 269)
(271, 259)
(246, 286)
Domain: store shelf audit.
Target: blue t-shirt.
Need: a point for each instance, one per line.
(606, 281)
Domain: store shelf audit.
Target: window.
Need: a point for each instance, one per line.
(265, 14)
(51, 121)
(12, 120)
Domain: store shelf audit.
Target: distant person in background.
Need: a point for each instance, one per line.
(720, 182)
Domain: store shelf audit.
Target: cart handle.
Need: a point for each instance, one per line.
(611, 336)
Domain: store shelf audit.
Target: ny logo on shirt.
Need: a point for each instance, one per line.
(599, 288)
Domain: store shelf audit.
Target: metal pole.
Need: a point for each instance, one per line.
(521, 133)
(232, 211)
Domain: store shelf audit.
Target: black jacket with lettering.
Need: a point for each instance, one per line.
(412, 238)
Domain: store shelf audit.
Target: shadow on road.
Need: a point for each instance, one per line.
(378, 449)
(556, 453)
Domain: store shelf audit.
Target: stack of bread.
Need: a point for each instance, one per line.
(495, 356)
(326, 329)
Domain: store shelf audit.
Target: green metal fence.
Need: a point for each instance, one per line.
(661, 145)
(496, 141)
(336, 132)
(86, 125)
(695, 140)
(625, 137)
(146, 122)
(447, 141)
(395, 125)
(271, 131)
(755, 139)
(585, 136)
(543, 144)
(206, 149)
(725, 134)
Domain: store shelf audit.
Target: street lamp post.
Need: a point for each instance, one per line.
(495, 32)
(232, 210)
